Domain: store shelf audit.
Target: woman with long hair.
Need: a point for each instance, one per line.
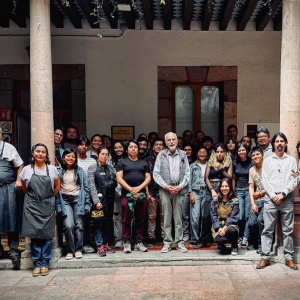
(102, 183)
(189, 150)
(96, 144)
(119, 152)
(219, 166)
(231, 146)
(40, 183)
(240, 182)
(73, 202)
(225, 217)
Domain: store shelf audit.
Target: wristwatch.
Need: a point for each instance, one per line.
(283, 194)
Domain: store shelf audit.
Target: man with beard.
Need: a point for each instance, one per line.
(279, 182)
(143, 145)
(172, 173)
(263, 141)
(199, 136)
(72, 134)
(152, 193)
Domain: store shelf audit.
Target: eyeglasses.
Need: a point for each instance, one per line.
(262, 137)
(58, 134)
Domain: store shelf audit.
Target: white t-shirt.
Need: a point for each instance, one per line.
(85, 163)
(10, 153)
(27, 172)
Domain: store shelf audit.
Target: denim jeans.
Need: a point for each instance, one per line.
(40, 252)
(73, 225)
(186, 215)
(256, 224)
(196, 210)
(244, 207)
(101, 228)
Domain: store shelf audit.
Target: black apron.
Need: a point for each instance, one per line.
(39, 208)
(9, 209)
(7, 173)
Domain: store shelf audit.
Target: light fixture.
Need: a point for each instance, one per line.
(124, 7)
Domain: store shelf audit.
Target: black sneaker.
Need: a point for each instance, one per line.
(1, 251)
(14, 255)
(150, 242)
(221, 248)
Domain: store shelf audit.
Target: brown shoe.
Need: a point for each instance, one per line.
(36, 272)
(44, 271)
(263, 263)
(290, 263)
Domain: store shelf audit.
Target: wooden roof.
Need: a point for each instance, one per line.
(241, 12)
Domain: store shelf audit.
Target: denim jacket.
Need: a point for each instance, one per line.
(195, 177)
(84, 202)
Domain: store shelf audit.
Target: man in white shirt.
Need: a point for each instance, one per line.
(279, 182)
(172, 173)
(84, 162)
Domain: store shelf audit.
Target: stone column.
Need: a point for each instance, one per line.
(290, 97)
(41, 97)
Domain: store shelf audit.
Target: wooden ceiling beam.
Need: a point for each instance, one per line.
(245, 15)
(108, 10)
(17, 15)
(167, 13)
(148, 14)
(226, 14)
(277, 21)
(72, 14)
(128, 16)
(187, 14)
(56, 17)
(87, 8)
(4, 20)
(208, 11)
(266, 15)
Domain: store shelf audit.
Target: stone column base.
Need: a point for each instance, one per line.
(281, 257)
(27, 263)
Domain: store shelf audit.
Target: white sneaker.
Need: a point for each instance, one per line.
(140, 247)
(165, 249)
(244, 243)
(127, 248)
(119, 244)
(180, 247)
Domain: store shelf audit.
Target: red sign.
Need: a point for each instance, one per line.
(5, 114)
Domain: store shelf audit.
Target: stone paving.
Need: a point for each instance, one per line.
(164, 282)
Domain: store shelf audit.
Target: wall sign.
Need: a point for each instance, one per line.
(122, 133)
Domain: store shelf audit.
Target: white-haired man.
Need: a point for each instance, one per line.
(172, 173)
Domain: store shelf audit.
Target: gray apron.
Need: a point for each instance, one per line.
(9, 208)
(39, 208)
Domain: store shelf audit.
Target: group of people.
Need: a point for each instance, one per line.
(224, 193)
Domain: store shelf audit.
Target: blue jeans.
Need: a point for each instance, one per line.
(40, 252)
(186, 215)
(256, 224)
(101, 228)
(197, 214)
(73, 225)
(244, 207)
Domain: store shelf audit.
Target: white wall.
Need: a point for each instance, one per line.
(121, 73)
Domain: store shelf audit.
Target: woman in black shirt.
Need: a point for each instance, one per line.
(133, 175)
(240, 182)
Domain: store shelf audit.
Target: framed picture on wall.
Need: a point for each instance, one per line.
(122, 133)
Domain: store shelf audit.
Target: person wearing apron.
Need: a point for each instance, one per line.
(10, 221)
(40, 183)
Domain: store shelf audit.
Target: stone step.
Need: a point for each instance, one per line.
(153, 258)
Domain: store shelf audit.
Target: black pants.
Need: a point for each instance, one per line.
(231, 236)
